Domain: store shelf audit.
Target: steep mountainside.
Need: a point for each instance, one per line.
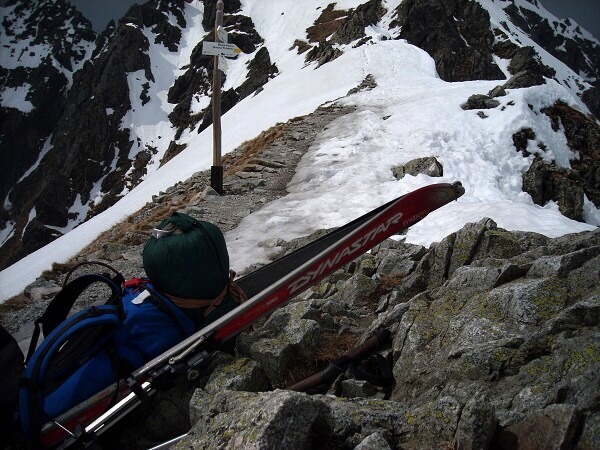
(43, 45)
(86, 118)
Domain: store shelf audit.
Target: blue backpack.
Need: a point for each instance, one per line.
(94, 348)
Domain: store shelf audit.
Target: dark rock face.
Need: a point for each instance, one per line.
(24, 134)
(210, 11)
(353, 27)
(37, 23)
(335, 27)
(37, 235)
(577, 53)
(455, 33)
(57, 40)
(526, 59)
(545, 182)
(524, 79)
(591, 98)
(152, 16)
(86, 140)
(521, 139)
(198, 77)
(323, 53)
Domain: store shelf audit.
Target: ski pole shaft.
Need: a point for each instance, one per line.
(339, 365)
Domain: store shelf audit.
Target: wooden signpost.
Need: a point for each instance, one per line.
(219, 49)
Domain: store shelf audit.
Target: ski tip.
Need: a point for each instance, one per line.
(458, 189)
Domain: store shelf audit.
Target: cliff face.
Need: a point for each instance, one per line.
(43, 45)
(85, 118)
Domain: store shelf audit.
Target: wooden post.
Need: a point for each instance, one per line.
(216, 171)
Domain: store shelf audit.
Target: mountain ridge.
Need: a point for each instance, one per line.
(118, 98)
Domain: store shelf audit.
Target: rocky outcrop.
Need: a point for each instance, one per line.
(480, 101)
(494, 345)
(583, 136)
(566, 186)
(89, 147)
(563, 39)
(522, 59)
(334, 28)
(353, 26)
(546, 181)
(458, 36)
(578, 53)
(429, 166)
(455, 33)
(591, 98)
(197, 79)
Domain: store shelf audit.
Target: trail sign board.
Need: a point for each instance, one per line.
(222, 35)
(223, 63)
(220, 48)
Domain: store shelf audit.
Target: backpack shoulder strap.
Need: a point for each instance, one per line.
(58, 309)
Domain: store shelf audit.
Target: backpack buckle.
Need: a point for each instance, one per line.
(135, 283)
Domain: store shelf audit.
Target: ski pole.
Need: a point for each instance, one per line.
(339, 365)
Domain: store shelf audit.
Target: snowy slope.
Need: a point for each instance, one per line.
(575, 82)
(411, 113)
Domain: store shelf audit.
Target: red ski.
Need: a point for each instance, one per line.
(357, 238)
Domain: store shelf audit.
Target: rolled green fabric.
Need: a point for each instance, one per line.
(189, 260)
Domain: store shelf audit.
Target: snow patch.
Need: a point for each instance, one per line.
(16, 97)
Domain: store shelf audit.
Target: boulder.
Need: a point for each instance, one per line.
(290, 337)
(229, 419)
(429, 166)
(523, 79)
(480, 101)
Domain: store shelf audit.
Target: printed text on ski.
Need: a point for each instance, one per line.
(353, 248)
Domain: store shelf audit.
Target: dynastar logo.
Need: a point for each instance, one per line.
(352, 249)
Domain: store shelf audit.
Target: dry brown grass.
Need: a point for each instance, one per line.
(335, 346)
(328, 23)
(253, 148)
(386, 285)
(57, 269)
(15, 303)
(332, 347)
(138, 224)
